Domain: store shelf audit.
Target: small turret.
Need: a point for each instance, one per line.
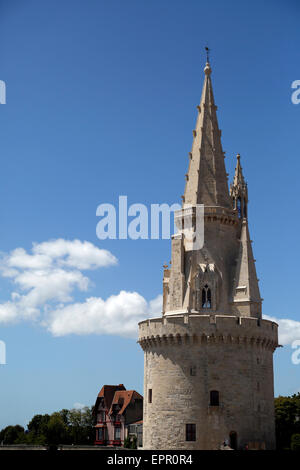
(239, 191)
(246, 295)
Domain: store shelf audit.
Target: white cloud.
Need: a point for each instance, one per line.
(49, 274)
(18, 258)
(118, 315)
(155, 307)
(78, 406)
(288, 330)
(8, 312)
(46, 279)
(74, 254)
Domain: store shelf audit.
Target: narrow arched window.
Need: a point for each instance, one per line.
(206, 297)
(239, 207)
(214, 398)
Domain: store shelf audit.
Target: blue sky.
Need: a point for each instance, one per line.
(101, 102)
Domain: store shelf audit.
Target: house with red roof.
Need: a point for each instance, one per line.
(115, 410)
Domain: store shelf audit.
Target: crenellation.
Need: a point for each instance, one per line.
(199, 330)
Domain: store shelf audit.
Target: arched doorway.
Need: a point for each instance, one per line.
(233, 440)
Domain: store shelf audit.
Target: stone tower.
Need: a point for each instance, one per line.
(208, 361)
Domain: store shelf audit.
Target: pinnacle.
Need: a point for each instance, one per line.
(206, 182)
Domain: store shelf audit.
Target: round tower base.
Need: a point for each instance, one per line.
(208, 379)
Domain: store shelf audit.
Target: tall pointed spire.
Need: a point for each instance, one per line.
(246, 289)
(238, 175)
(206, 178)
(217, 274)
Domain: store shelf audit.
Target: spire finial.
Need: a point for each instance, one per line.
(207, 54)
(207, 69)
(207, 181)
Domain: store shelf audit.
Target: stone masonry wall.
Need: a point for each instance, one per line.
(227, 354)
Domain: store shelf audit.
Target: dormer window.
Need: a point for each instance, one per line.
(206, 297)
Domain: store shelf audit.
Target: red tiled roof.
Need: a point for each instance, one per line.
(108, 388)
(124, 398)
(107, 392)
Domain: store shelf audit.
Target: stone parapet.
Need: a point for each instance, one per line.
(186, 328)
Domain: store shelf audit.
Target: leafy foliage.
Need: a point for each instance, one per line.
(295, 442)
(76, 427)
(11, 434)
(127, 442)
(134, 443)
(130, 442)
(62, 427)
(287, 419)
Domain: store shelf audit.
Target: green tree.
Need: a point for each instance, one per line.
(57, 430)
(133, 442)
(81, 426)
(65, 416)
(295, 442)
(287, 419)
(62, 427)
(11, 434)
(38, 424)
(37, 430)
(127, 442)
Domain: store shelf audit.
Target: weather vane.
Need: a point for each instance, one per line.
(207, 54)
